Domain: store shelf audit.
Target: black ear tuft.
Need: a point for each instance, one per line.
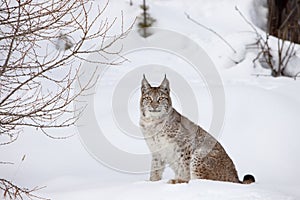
(165, 84)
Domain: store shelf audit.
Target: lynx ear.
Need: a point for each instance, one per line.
(145, 84)
(165, 84)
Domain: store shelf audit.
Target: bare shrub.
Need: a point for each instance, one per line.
(42, 46)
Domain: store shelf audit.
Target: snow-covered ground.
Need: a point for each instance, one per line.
(260, 131)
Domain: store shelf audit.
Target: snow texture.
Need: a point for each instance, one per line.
(260, 133)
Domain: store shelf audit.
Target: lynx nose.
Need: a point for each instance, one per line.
(154, 105)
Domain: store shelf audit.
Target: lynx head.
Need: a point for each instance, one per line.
(155, 101)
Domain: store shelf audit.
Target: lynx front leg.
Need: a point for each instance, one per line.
(182, 172)
(157, 167)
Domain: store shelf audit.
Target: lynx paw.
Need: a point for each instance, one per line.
(155, 178)
(177, 181)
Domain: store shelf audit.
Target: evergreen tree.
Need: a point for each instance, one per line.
(145, 21)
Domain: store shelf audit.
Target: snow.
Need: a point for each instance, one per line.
(259, 13)
(260, 132)
(207, 190)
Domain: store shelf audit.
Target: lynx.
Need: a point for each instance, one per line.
(174, 140)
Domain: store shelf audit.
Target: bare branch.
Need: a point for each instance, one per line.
(36, 80)
(211, 30)
(12, 191)
(265, 52)
(6, 163)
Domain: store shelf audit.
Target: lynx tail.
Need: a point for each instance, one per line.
(248, 179)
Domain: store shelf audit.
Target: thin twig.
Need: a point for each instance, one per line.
(288, 17)
(6, 163)
(211, 30)
(247, 21)
(258, 75)
(13, 192)
(297, 75)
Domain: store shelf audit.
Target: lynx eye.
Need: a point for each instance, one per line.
(147, 99)
(161, 98)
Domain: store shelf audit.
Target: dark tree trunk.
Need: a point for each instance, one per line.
(284, 19)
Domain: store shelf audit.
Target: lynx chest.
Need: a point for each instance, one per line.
(161, 139)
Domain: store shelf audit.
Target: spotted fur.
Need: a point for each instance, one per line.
(176, 141)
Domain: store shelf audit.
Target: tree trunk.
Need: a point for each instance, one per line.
(284, 19)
